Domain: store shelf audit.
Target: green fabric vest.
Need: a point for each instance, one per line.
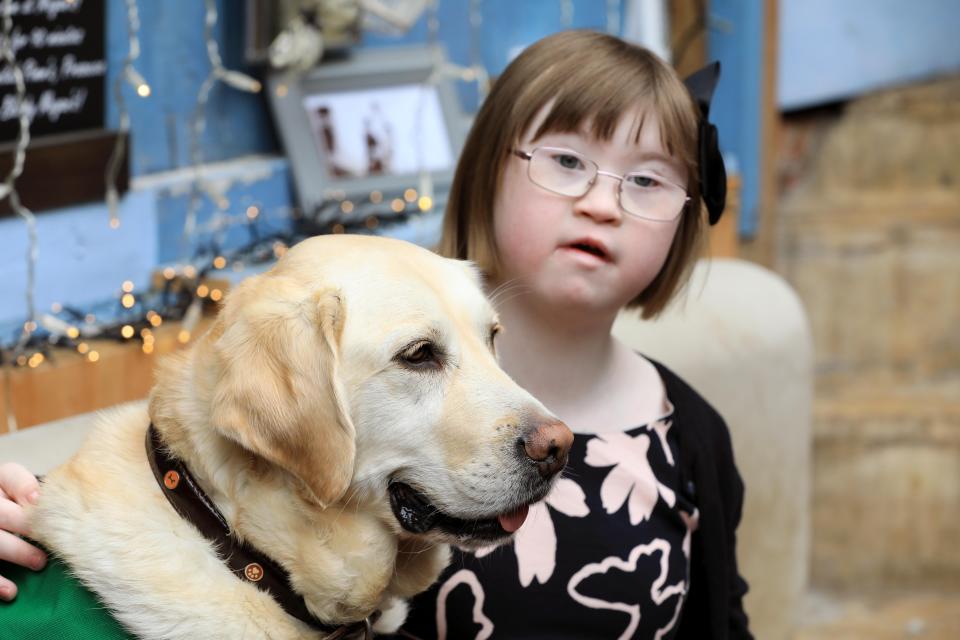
(53, 605)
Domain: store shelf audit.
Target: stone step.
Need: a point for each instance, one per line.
(886, 484)
(882, 616)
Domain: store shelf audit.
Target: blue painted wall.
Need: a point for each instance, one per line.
(862, 45)
(735, 38)
(173, 61)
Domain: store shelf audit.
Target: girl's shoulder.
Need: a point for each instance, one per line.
(683, 396)
(699, 425)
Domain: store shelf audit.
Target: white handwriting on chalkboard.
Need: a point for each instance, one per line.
(70, 67)
(67, 37)
(35, 71)
(50, 106)
(58, 47)
(50, 8)
(43, 38)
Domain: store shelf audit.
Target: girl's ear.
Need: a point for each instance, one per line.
(278, 392)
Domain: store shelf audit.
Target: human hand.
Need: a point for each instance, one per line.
(18, 487)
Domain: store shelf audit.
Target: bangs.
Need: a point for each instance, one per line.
(595, 97)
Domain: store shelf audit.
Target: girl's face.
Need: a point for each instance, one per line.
(584, 254)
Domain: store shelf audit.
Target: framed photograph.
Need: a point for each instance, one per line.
(380, 131)
(376, 121)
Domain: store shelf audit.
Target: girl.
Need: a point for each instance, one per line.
(580, 191)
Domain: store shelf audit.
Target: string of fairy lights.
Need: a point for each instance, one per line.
(9, 188)
(182, 293)
(131, 76)
(218, 73)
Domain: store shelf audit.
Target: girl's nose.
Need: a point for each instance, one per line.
(602, 201)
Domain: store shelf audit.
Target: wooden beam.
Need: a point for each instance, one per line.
(688, 43)
(723, 240)
(688, 34)
(762, 248)
(78, 161)
(69, 383)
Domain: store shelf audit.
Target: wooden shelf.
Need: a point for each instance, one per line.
(68, 383)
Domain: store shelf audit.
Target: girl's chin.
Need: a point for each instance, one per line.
(571, 298)
(562, 293)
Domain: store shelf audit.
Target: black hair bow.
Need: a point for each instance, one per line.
(713, 175)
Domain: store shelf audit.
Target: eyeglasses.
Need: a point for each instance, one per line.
(643, 194)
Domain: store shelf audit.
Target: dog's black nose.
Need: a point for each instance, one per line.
(548, 445)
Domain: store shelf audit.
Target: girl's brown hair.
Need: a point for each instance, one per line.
(588, 77)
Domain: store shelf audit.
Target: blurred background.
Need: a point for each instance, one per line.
(157, 151)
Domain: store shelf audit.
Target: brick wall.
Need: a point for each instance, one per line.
(869, 234)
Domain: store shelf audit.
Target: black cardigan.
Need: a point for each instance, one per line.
(713, 609)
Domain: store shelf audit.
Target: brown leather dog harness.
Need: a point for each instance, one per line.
(244, 560)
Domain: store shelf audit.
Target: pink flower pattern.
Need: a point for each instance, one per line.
(631, 480)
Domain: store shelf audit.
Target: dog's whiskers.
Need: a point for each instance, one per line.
(507, 291)
(511, 295)
(504, 286)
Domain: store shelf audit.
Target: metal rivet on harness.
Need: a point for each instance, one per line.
(253, 572)
(171, 479)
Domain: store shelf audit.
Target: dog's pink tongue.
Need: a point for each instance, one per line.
(512, 521)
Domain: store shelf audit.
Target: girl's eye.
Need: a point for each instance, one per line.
(568, 161)
(643, 180)
(423, 355)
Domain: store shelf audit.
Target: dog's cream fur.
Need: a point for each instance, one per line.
(294, 411)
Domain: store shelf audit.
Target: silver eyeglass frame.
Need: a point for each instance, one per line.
(528, 156)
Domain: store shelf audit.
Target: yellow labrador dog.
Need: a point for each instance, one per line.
(343, 420)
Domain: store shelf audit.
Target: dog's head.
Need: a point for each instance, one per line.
(365, 367)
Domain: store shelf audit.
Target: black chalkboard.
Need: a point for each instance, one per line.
(59, 47)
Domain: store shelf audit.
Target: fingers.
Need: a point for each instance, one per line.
(8, 590)
(18, 483)
(18, 487)
(21, 552)
(13, 518)
(17, 551)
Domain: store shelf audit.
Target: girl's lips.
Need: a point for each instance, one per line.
(583, 260)
(589, 247)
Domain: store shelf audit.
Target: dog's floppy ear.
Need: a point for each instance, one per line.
(279, 393)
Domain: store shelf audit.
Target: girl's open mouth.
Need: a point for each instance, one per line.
(590, 248)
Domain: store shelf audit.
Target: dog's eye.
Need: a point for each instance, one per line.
(494, 330)
(422, 355)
